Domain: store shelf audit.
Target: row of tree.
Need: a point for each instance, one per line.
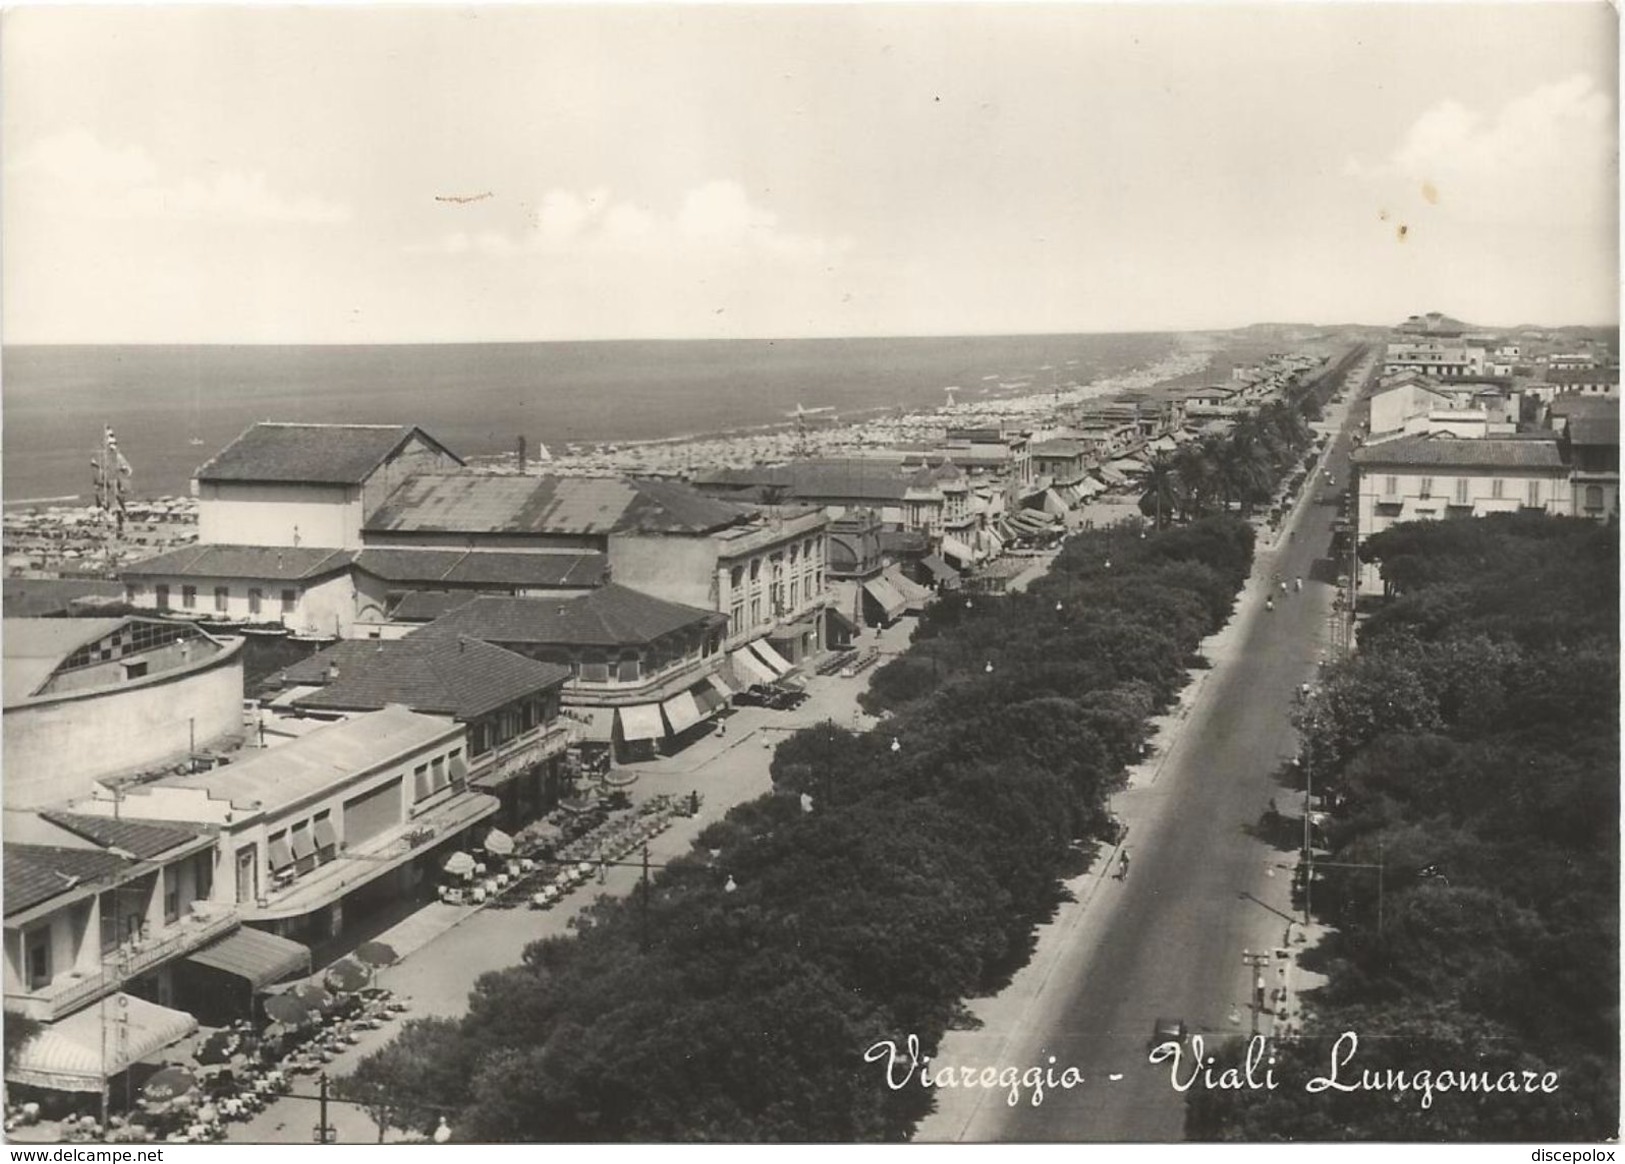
(1471, 750)
(889, 876)
(1245, 465)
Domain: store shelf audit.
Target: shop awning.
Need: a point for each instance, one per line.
(1054, 503)
(1089, 487)
(681, 711)
(914, 595)
(940, 570)
(749, 668)
(597, 723)
(776, 662)
(709, 697)
(890, 601)
(302, 845)
(642, 722)
(952, 547)
(73, 1055)
(995, 543)
(1127, 466)
(280, 855)
(845, 620)
(325, 837)
(259, 958)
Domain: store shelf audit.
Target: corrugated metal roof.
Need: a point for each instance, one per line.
(290, 772)
(273, 563)
(447, 503)
(1462, 453)
(485, 567)
(37, 873)
(142, 838)
(314, 454)
(612, 616)
(460, 677)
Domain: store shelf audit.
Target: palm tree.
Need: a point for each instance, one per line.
(1197, 478)
(1161, 496)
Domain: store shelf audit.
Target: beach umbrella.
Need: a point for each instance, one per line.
(287, 1009)
(498, 843)
(216, 1049)
(376, 954)
(169, 1084)
(458, 865)
(313, 996)
(347, 976)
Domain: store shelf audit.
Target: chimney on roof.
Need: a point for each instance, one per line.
(332, 672)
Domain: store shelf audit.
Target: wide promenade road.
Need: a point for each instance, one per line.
(1204, 884)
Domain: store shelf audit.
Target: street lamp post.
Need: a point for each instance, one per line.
(644, 865)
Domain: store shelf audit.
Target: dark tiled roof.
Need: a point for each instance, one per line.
(140, 838)
(468, 503)
(38, 597)
(428, 605)
(1462, 453)
(1582, 375)
(1572, 404)
(456, 676)
(325, 454)
(484, 568)
(856, 478)
(612, 616)
(37, 873)
(1594, 430)
(274, 563)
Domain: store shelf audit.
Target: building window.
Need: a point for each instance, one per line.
(254, 597)
(1497, 487)
(221, 595)
(327, 842)
(1461, 491)
(1390, 486)
(795, 553)
(795, 593)
(290, 599)
(304, 848)
(420, 781)
(437, 773)
(172, 894)
(1534, 493)
(1593, 498)
(189, 597)
(203, 875)
(736, 617)
(39, 958)
(594, 669)
(755, 569)
(627, 670)
(736, 577)
(132, 593)
(755, 611)
(161, 595)
(1426, 489)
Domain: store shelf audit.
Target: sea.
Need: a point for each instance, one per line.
(173, 407)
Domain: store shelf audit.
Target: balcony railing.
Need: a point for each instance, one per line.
(126, 961)
(523, 750)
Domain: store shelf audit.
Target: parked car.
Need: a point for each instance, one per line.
(1168, 1030)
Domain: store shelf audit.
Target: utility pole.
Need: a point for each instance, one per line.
(325, 1133)
(1257, 963)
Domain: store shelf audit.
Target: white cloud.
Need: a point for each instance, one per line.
(75, 173)
(713, 221)
(1546, 156)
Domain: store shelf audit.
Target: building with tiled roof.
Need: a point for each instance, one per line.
(1427, 478)
(626, 652)
(91, 699)
(304, 588)
(509, 704)
(93, 905)
(309, 484)
(1590, 434)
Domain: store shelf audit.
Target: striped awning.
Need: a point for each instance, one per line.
(257, 957)
(708, 697)
(952, 547)
(749, 668)
(890, 601)
(1054, 503)
(82, 1050)
(940, 570)
(776, 662)
(642, 721)
(681, 711)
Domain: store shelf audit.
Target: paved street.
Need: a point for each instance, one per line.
(1204, 885)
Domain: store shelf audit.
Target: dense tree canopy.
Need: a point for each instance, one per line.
(915, 880)
(1471, 747)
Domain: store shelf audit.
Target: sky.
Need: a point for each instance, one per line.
(401, 174)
